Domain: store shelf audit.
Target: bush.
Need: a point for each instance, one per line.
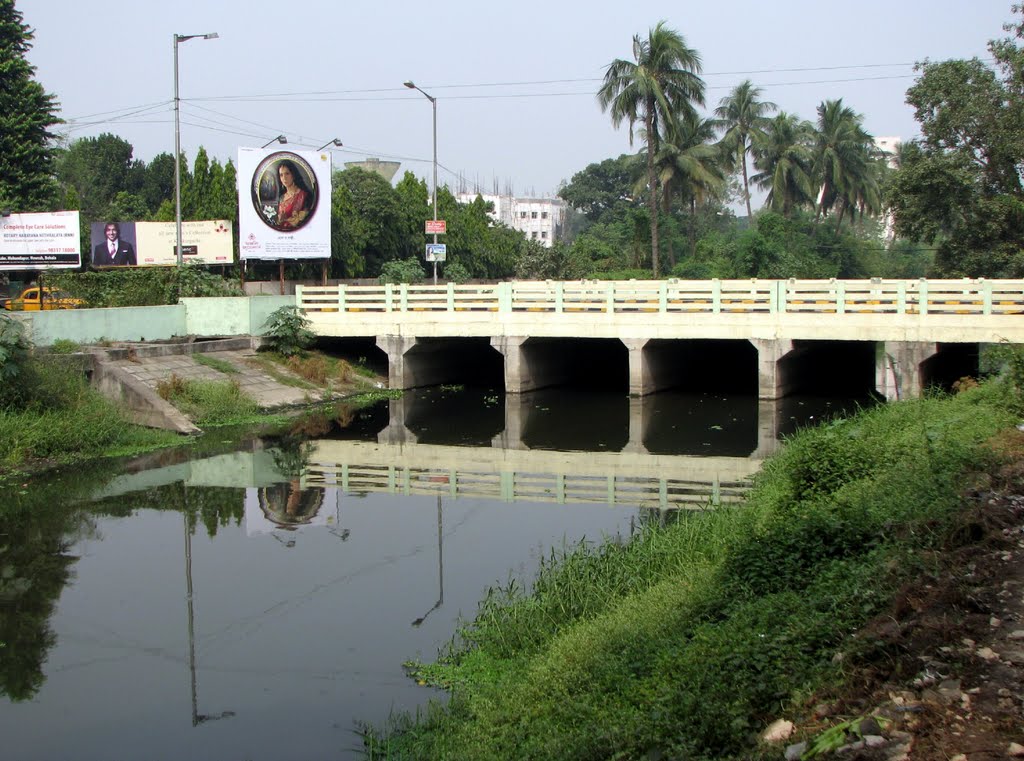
(288, 331)
(143, 286)
(14, 351)
(456, 272)
(402, 271)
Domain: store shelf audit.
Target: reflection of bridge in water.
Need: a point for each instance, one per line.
(500, 466)
(509, 475)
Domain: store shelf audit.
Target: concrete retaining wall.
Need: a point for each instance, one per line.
(229, 316)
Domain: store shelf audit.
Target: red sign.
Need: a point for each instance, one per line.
(436, 227)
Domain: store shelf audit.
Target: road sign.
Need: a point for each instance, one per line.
(436, 252)
(436, 227)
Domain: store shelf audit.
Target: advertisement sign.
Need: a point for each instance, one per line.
(40, 241)
(436, 252)
(284, 204)
(152, 244)
(436, 227)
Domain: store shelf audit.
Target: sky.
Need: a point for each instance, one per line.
(514, 81)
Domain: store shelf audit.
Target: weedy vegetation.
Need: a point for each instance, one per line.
(686, 640)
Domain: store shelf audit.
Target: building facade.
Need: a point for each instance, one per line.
(539, 219)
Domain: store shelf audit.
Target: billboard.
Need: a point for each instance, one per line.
(151, 244)
(284, 204)
(40, 241)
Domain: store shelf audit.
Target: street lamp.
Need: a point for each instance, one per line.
(279, 139)
(335, 142)
(177, 135)
(433, 103)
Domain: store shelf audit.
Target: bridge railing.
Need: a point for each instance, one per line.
(898, 297)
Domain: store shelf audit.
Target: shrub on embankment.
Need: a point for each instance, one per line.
(48, 411)
(686, 641)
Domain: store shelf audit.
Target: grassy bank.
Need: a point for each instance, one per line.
(51, 414)
(688, 640)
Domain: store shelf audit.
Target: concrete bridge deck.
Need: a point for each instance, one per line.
(907, 322)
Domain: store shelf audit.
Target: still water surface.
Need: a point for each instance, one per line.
(257, 601)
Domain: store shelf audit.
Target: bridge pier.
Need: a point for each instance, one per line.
(531, 364)
(773, 380)
(511, 436)
(396, 431)
(898, 366)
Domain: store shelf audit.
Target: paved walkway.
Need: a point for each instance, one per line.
(253, 381)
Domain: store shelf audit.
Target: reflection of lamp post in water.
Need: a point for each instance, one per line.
(440, 570)
(197, 718)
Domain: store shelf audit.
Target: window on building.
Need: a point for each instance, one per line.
(544, 233)
(522, 215)
(534, 234)
(543, 215)
(533, 215)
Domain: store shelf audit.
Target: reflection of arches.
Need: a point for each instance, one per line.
(289, 506)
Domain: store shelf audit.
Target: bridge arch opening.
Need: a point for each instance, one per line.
(702, 365)
(950, 363)
(599, 364)
(462, 361)
(834, 368)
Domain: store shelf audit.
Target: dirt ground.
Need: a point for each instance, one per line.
(945, 670)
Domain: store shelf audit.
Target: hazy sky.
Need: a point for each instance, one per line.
(514, 81)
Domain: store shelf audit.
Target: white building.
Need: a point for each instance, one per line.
(539, 219)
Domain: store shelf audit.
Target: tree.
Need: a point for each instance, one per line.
(842, 159)
(27, 113)
(743, 117)
(960, 185)
(658, 86)
(689, 165)
(785, 161)
(98, 168)
(602, 186)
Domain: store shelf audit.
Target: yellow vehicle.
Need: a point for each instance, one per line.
(52, 298)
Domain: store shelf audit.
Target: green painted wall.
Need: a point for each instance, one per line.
(231, 316)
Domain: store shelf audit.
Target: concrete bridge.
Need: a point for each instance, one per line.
(772, 337)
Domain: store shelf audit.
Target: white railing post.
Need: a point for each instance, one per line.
(403, 297)
(559, 297)
(986, 296)
(451, 297)
(341, 297)
(840, 297)
(387, 297)
(662, 297)
(298, 297)
(716, 296)
(922, 297)
(610, 297)
(901, 297)
(504, 296)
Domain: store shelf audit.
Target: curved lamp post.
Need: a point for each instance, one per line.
(179, 38)
(433, 103)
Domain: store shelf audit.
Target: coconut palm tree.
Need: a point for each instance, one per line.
(842, 157)
(785, 160)
(689, 165)
(742, 116)
(659, 85)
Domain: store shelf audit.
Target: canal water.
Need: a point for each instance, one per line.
(256, 599)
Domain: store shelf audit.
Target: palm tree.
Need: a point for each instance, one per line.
(785, 160)
(660, 84)
(842, 158)
(689, 164)
(742, 115)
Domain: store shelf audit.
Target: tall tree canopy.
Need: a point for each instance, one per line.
(960, 185)
(659, 85)
(742, 116)
(27, 113)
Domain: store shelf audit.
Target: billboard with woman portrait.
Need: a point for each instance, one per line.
(284, 204)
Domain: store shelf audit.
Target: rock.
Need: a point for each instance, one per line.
(1016, 750)
(793, 752)
(850, 748)
(1014, 656)
(994, 622)
(777, 731)
(868, 726)
(988, 654)
(874, 741)
(950, 689)
(1017, 634)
